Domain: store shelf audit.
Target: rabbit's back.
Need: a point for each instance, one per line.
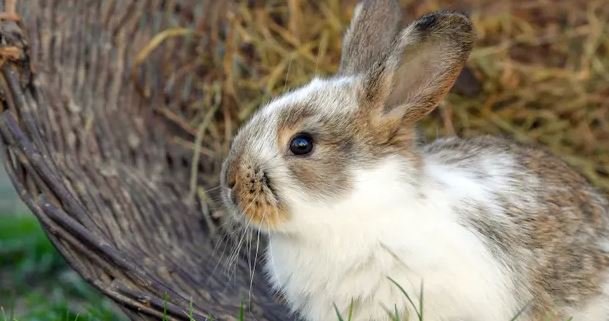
(554, 227)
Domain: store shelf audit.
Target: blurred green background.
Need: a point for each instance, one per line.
(35, 281)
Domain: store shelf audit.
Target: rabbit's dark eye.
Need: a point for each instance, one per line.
(301, 144)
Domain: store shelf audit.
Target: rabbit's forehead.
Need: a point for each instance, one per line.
(323, 101)
(321, 98)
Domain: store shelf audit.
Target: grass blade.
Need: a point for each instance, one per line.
(340, 317)
(414, 306)
(350, 317)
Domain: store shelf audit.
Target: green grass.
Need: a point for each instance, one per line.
(37, 284)
(418, 309)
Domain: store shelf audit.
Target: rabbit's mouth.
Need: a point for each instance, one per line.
(254, 198)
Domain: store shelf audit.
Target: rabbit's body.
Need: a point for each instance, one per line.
(462, 230)
(420, 236)
(334, 174)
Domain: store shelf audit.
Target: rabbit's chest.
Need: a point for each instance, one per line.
(453, 272)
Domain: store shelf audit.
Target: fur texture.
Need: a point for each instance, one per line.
(483, 228)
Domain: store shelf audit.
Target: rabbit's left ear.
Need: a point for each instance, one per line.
(414, 76)
(370, 36)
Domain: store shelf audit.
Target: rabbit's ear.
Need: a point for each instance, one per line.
(419, 70)
(370, 36)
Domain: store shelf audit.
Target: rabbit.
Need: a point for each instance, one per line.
(365, 221)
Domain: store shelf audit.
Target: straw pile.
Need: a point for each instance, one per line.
(539, 73)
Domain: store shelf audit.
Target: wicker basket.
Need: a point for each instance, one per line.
(93, 161)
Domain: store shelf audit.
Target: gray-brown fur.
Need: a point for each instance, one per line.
(553, 228)
(408, 81)
(370, 36)
(326, 172)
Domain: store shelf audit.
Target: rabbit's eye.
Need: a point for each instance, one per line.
(301, 144)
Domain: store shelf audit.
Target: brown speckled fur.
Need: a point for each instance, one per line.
(555, 223)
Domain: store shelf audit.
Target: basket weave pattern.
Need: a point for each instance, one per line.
(92, 160)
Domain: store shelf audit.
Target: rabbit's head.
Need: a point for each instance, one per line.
(308, 148)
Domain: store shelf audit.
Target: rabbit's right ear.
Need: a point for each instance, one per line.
(374, 27)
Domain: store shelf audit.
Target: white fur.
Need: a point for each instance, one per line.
(333, 254)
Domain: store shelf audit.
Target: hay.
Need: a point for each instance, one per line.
(538, 73)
